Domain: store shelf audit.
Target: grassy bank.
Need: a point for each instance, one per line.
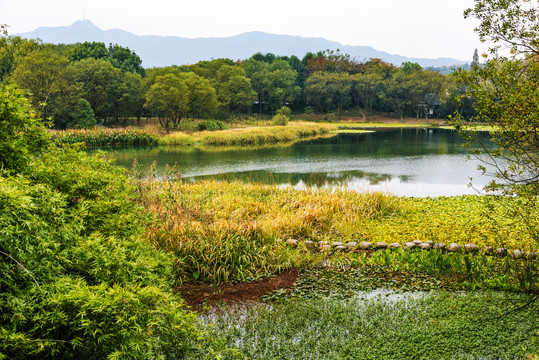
(253, 136)
(387, 125)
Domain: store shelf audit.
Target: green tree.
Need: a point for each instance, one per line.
(87, 50)
(258, 71)
(209, 69)
(168, 99)
(41, 74)
(506, 95)
(120, 57)
(12, 50)
(328, 91)
(151, 74)
(397, 92)
(84, 116)
(100, 84)
(366, 89)
(275, 83)
(233, 88)
(280, 84)
(425, 90)
(201, 96)
(125, 59)
(131, 99)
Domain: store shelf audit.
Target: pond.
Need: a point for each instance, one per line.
(404, 162)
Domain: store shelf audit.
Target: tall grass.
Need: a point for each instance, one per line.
(265, 135)
(224, 231)
(178, 139)
(253, 136)
(220, 230)
(101, 137)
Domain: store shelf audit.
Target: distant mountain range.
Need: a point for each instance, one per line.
(173, 50)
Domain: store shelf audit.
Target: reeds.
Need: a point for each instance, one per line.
(265, 135)
(221, 231)
(102, 137)
(178, 139)
(252, 136)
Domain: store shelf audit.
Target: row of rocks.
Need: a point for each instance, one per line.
(325, 246)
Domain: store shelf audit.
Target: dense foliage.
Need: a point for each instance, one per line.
(21, 134)
(505, 93)
(77, 280)
(117, 87)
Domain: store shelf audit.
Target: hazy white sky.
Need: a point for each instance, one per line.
(414, 28)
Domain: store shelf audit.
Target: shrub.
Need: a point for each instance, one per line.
(284, 110)
(21, 134)
(77, 280)
(282, 116)
(211, 125)
(280, 120)
(85, 118)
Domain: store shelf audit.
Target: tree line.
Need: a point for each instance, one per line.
(69, 82)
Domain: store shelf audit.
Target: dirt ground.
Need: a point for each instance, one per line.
(199, 296)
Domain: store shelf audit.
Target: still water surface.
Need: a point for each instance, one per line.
(404, 162)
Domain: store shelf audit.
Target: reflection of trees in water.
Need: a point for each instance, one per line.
(318, 179)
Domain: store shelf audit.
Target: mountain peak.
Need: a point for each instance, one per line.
(84, 24)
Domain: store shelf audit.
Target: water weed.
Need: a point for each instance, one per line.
(435, 326)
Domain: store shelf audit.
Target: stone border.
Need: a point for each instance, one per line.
(326, 247)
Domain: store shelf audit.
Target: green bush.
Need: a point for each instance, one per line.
(282, 116)
(211, 125)
(21, 134)
(84, 117)
(77, 280)
(280, 120)
(284, 110)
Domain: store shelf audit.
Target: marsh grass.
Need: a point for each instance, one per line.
(178, 139)
(249, 137)
(386, 125)
(102, 137)
(447, 270)
(223, 230)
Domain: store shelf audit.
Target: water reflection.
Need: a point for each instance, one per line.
(318, 179)
(409, 162)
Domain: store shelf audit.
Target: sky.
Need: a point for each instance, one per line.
(413, 28)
